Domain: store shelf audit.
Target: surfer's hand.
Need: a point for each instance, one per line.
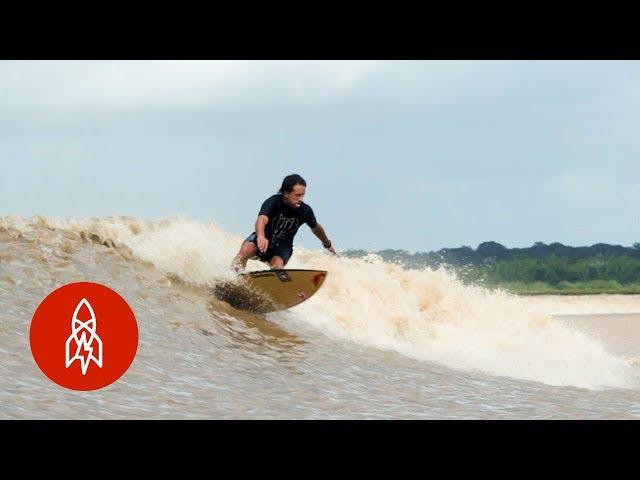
(263, 244)
(331, 249)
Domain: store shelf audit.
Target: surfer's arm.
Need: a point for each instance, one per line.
(263, 242)
(319, 232)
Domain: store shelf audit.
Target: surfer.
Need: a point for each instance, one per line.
(278, 221)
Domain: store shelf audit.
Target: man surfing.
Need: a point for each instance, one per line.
(278, 221)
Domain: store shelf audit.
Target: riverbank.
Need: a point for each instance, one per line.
(600, 287)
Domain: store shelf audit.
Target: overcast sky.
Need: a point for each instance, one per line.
(410, 155)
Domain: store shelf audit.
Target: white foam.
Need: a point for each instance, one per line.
(426, 315)
(430, 315)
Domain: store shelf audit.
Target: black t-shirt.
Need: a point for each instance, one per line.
(284, 220)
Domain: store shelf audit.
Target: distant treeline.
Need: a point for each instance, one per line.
(541, 268)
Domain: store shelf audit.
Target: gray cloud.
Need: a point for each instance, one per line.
(415, 155)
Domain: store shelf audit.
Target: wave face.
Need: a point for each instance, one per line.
(424, 315)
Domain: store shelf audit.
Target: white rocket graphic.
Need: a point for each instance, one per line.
(83, 344)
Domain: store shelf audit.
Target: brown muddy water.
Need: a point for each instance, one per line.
(377, 341)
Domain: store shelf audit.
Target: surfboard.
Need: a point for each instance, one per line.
(267, 291)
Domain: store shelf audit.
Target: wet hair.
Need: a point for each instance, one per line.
(291, 181)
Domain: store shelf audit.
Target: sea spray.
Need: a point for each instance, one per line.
(423, 314)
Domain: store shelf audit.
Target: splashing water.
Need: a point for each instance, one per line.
(426, 315)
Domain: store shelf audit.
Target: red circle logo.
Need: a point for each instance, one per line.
(84, 336)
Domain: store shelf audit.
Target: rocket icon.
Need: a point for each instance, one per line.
(83, 344)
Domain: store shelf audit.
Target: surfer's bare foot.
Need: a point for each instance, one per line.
(238, 264)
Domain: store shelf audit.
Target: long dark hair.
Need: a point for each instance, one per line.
(291, 181)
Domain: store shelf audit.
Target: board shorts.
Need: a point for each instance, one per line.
(283, 250)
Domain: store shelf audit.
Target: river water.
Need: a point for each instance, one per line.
(376, 342)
